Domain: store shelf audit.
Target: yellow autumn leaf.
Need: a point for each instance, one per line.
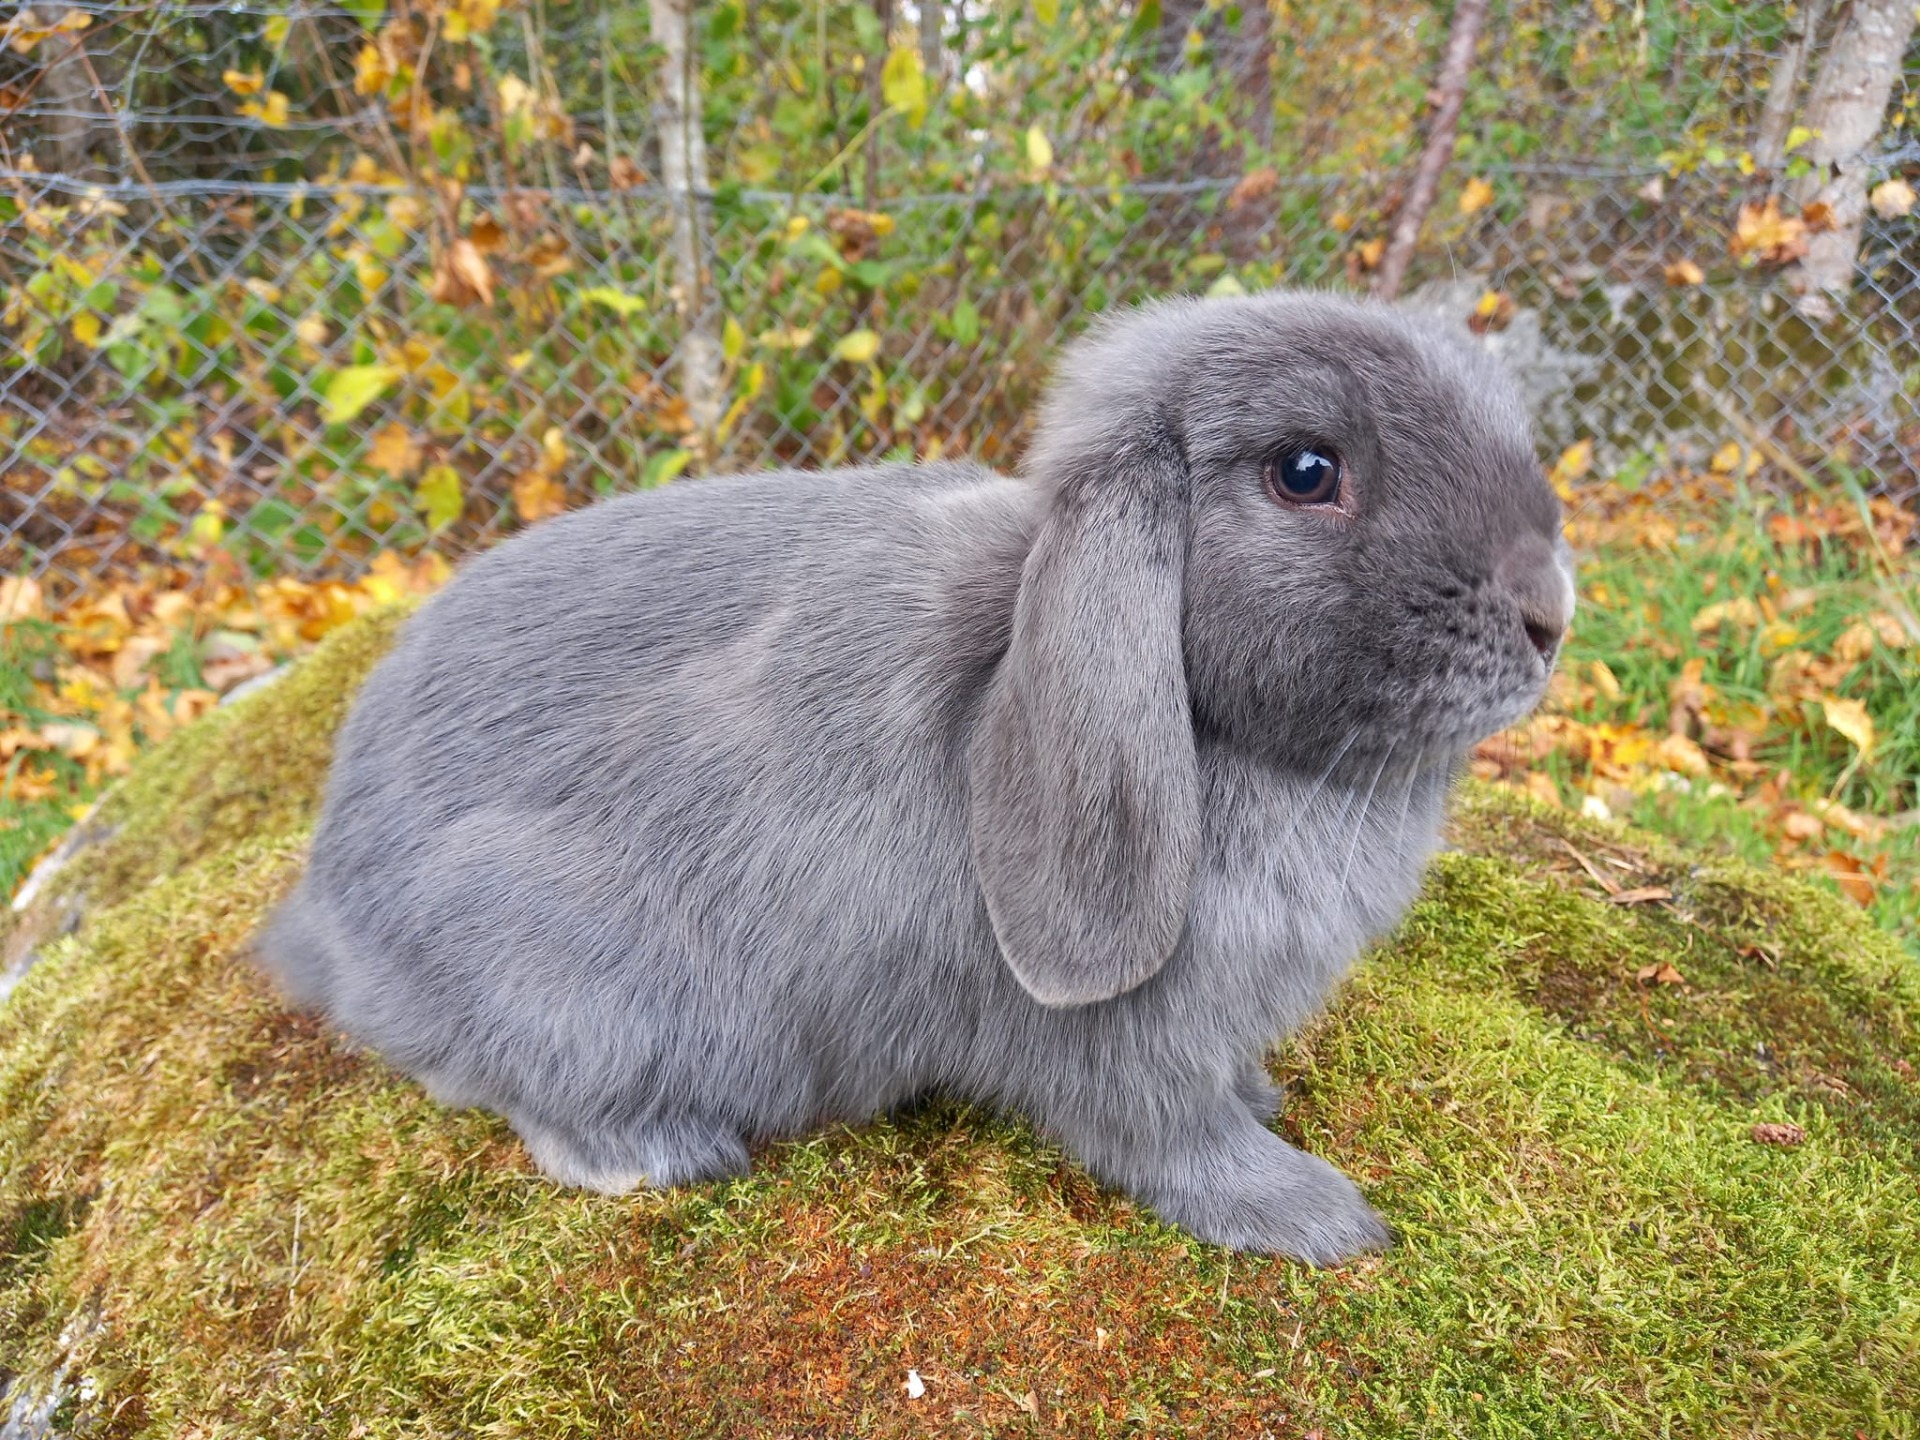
(857, 346)
(86, 328)
(1851, 719)
(371, 72)
(1039, 150)
(1604, 680)
(353, 388)
(252, 82)
(1739, 613)
(903, 82)
(516, 96)
(785, 337)
(1726, 459)
(1574, 462)
(272, 114)
(1475, 195)
(439, 496)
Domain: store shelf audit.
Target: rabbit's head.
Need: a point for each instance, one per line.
(1313, 528)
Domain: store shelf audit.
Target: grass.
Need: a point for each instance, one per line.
(216, 1219)
(1801, 583)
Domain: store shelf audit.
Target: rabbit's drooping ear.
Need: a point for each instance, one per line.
(1085, 790)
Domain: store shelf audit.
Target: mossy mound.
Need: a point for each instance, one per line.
(216, 1220)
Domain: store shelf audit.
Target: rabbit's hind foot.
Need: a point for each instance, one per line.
(660, 1153)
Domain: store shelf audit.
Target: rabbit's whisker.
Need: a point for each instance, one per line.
(1360, 821)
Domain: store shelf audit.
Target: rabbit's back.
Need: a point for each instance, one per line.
(617, 801)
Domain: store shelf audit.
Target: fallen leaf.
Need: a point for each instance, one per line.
(1739, 613)
(1799, 825)
(439, 496)
(1647, 895)
(462, 275)
(1778, 1133)
(858, 346)
(1255, 185)
(1475, 196)
(1683, 272)
(1856, 881)
(1892, 199)
(353, 388)
(1660, 974)
(1681, 755)
(1574, 462)
(1850, 719)
(1818, 215)
(394, 452)
(21, 599)
(1763, 234)
(537, 495)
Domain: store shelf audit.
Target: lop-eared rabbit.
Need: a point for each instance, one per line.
(719, 812)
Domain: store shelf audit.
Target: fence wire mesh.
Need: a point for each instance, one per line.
(287, 284)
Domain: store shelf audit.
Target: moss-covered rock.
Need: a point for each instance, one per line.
(217, 1220)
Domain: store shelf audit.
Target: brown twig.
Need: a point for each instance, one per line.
(1449, 96)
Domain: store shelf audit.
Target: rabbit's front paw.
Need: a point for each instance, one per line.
(1268, 1197)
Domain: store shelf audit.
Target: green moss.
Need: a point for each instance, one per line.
(232, 1225)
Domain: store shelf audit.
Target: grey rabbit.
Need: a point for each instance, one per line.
(715, 813)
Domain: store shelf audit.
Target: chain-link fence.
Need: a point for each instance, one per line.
(289, 283)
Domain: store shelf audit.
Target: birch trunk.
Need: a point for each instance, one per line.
(1844, 110)
(1449, 95)
(1783, 85)
(683, 171)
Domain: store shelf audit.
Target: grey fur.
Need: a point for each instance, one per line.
(716, 813)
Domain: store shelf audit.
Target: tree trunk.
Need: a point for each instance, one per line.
(1448, 96)
(931, 18)
(68, 99)
(1844, 110)
(1177, 18)
(683, 167)
(1783, 86)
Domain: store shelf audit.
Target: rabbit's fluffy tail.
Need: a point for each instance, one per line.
(298, 948)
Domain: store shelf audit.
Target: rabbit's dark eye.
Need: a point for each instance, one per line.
(1305, 477)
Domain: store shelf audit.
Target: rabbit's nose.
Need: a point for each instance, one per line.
(1539, 576)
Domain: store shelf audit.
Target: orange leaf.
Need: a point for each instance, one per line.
(394, 452)
(536, 495)
(1766, 235)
